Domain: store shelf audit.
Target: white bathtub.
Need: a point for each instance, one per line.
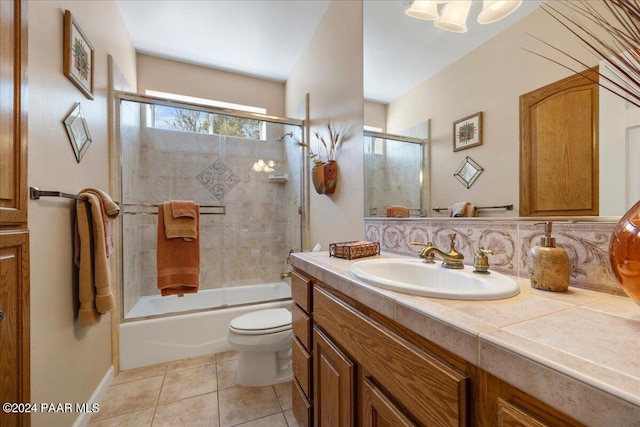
(172, 337)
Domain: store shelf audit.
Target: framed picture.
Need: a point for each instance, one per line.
(78, 56)
(78, 131)
(467, 132)
(468, 172)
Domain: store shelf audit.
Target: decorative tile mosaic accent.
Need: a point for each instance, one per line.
(587, 245)
(218, 179)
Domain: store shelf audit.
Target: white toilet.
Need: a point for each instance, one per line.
(264, 340)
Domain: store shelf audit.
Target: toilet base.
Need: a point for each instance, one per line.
(257, 368)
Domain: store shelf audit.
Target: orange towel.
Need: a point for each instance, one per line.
(462, 209)
(178, 259)
(183, 209)
(183, 227)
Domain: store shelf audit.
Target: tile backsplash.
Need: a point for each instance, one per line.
(587, 244)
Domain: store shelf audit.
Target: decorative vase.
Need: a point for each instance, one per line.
(318, 178)
(330, 176)
(624, 252)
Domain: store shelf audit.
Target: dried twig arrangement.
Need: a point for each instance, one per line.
(335, 140)
(621, 21)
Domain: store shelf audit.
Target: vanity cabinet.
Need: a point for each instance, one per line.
(363, 369)
(301, 390)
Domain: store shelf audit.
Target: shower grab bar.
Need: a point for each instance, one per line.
(507, 207)
(131, 209)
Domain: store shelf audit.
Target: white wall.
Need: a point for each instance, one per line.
(67, 361)
(330, 70)
(192, 80)
(490, 79)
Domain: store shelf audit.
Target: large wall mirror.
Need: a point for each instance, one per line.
(486, 69)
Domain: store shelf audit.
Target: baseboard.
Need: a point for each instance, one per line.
(84, 417)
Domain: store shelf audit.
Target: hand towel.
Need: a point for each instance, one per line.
(462, 209)
(111, 210)
(178, 259)
(95, 291)
(183, 209)
(183, 227)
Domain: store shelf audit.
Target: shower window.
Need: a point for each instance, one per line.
(186, 120)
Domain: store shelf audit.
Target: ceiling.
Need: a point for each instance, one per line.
(265, 38)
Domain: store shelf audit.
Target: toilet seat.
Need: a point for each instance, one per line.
(262, 322)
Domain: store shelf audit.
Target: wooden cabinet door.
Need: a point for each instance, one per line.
(380, 411)
(14, 325)
(334, 384)
(559, 164)
(13, 113)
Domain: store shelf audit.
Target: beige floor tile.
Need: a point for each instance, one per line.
(227, 355)
(134, 419)
(227, 374)
(283, 391)
(192, 362)
(130, 397)
(291, 420)
(188, 383)
(199, 411)
(275, 420)
(241, 404)
(140, 373)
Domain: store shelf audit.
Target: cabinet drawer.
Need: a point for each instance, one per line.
(301, 291)
(301, 366)
(301, 325)
(301, 406)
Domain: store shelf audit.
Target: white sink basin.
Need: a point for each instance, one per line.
(415, 277)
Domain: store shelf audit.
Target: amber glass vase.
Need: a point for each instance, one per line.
(624, 252)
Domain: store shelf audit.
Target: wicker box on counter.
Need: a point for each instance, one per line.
(353, 250)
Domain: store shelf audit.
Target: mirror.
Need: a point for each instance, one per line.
(393, 175)
(489, 77)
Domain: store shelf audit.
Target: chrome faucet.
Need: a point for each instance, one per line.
(452, 259)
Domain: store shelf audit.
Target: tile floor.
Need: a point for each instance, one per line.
(193, 392)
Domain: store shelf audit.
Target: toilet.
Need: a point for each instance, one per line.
(264, 340)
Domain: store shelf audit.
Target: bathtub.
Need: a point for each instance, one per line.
(193, 325)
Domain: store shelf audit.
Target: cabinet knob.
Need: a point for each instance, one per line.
(1, 315)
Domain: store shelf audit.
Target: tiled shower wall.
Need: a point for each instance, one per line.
(587, 244)
(247, 245)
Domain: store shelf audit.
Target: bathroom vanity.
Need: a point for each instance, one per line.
(369, 356)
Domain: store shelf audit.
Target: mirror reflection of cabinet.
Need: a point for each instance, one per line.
(559, 148)
(395, 174)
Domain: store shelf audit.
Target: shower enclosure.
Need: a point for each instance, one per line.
(396, 172)
(244, 169)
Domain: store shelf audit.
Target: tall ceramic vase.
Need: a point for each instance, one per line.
(318, 178)
(330, 176)
(624, 252)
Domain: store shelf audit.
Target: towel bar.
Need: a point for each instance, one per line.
(507, 207)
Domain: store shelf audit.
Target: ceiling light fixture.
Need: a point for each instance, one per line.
(455, 12)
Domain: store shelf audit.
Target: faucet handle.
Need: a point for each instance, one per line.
(428, 256)
(481, 260)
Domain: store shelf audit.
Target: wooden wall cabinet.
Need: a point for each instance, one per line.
(14, 233)
(369, 371)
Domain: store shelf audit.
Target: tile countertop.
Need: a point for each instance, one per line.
(577, 351)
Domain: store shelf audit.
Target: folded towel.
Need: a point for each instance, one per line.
(462, 209)
(396, 211)
(183, 209)
(95, 291)
(183, 227)
(111, 210)
(178, 260)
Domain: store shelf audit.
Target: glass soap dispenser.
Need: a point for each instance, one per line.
(548, 264)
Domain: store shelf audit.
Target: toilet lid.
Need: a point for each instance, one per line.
(263, 321)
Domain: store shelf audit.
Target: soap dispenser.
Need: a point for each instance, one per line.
(548, 264)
